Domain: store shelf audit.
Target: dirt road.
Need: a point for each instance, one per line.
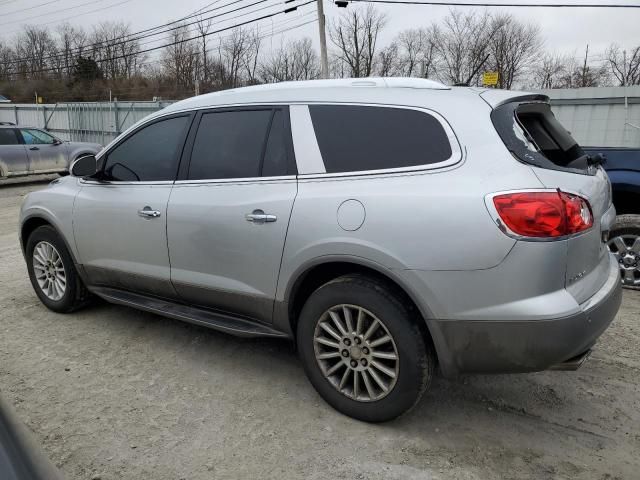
(116, 393)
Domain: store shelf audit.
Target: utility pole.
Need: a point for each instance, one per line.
(324, 63)
(584, 68)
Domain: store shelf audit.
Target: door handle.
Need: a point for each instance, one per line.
(34, 148)
(148, 212)
(258, 216)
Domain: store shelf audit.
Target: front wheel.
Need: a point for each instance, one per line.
(52, 272)
(624, 243)
(363, 349)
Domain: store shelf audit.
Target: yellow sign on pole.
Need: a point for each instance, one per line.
(39, 99)
(490, 78)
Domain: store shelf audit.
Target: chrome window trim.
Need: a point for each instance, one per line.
(87, 181)
(456, 148)
(305, 144)
(493, 212)
(278, 179)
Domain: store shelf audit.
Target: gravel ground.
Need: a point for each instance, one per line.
(114, 393)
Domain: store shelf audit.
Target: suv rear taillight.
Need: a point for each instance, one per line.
(544, 214)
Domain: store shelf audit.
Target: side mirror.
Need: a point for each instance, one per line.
(57, 141)
(84, 166)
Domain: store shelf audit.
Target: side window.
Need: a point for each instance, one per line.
(359, 138)
(229, 144)
(275, 155)
(36, 137)
(150, 154)
(8, 136)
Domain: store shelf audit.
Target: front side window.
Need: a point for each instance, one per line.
(8, 136)
(36, 137)
(360, 138)
(150, 154)
(229, 144)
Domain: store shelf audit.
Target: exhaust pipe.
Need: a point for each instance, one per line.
(573, 363)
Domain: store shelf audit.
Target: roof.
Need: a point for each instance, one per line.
(307, 90)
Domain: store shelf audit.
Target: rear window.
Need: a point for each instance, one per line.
(534, 135)
(360, 138)
(8, 136)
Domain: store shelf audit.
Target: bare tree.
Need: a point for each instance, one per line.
(296, 60)
(624, 65)
(71, 42)
(417, 55)
(116, 50)
(513, 47)
(387, 63)
(181, 61)
(550, 71)
(232, 54)
(203, 26)
(462, 43)
(33, 47)
(355, 34)
(7, 65)
(251, 56)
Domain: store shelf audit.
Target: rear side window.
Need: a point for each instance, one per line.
(8, 136)
(359, 138)
(229, 144)
(150, 154)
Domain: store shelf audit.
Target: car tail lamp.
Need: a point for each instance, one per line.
(544, 214)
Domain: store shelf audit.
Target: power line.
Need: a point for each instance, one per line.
(49, 13)
(179, 42)
(150, 34)
(494, 4)
(30, 8)
(75, 16)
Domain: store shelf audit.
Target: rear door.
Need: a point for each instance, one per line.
(120, 217)
(45, 152)
(13, 156)
(229, 213)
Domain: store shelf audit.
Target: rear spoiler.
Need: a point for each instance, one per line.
(496, 98)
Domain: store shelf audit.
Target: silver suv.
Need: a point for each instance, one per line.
(30, 150)
(388, 226)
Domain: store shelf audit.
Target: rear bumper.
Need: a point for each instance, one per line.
(510, 346)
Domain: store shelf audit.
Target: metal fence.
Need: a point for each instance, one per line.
(599, 116)
(98, 122)
(607, 116)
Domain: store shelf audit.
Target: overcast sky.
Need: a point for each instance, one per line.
(564, 30)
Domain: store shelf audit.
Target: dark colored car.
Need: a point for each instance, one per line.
(623, 168)
(20, 457)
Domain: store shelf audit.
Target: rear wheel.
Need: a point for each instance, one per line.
(624, 243)
(52, 272)
(363, 350)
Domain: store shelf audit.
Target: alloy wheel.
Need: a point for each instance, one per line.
(626, 249)
(356, 353)
(49, 270)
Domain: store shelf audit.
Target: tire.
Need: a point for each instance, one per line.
(627, 227)
(74, 295)
(414, 362)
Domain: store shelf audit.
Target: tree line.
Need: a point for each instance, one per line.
(109, 59)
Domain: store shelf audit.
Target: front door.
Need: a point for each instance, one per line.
(46, 153)
(228, 216)
(120, 216)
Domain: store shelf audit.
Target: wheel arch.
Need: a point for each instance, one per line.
(316, 273)
(32, 222)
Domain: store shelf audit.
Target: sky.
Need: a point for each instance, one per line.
(563, 30)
